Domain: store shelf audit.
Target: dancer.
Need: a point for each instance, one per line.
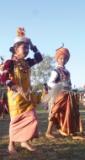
(63, 104)
(16, 76)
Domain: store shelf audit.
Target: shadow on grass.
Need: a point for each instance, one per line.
(60, 148)
(57, 149)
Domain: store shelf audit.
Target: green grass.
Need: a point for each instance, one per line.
(61, 148)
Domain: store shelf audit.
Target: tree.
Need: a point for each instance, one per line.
(40, 73)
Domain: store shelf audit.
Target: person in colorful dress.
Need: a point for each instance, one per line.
(63, 104)
(16, 76)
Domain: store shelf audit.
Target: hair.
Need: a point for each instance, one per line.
(16, 45)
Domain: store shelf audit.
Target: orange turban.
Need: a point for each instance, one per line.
(62, 51)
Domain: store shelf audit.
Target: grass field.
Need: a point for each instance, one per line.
(60, 148)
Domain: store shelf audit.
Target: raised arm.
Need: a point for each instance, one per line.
(37, 56)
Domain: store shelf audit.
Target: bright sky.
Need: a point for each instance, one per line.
(48, 23)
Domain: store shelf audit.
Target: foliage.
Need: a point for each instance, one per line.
(40, 73)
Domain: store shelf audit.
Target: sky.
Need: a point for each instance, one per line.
(48, 23)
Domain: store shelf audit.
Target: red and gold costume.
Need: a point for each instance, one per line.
(16, 76)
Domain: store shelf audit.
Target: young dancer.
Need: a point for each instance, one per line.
(16, 75)
(63, 104)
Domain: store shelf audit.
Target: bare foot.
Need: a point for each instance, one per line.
(12, 150)
(28, 146)
(49, 135)
(78, 138)
(62, 133)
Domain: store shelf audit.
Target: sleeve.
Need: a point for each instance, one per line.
(7, 70)
(51, 82)
(37, 56)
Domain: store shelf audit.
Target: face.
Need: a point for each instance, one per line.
(21, 51)
(61, 60)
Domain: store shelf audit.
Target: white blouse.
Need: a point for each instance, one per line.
(54, 75)
(51, 82)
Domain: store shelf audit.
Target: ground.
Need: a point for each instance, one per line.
(60, 148)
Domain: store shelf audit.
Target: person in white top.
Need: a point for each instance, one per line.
(59, 86)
